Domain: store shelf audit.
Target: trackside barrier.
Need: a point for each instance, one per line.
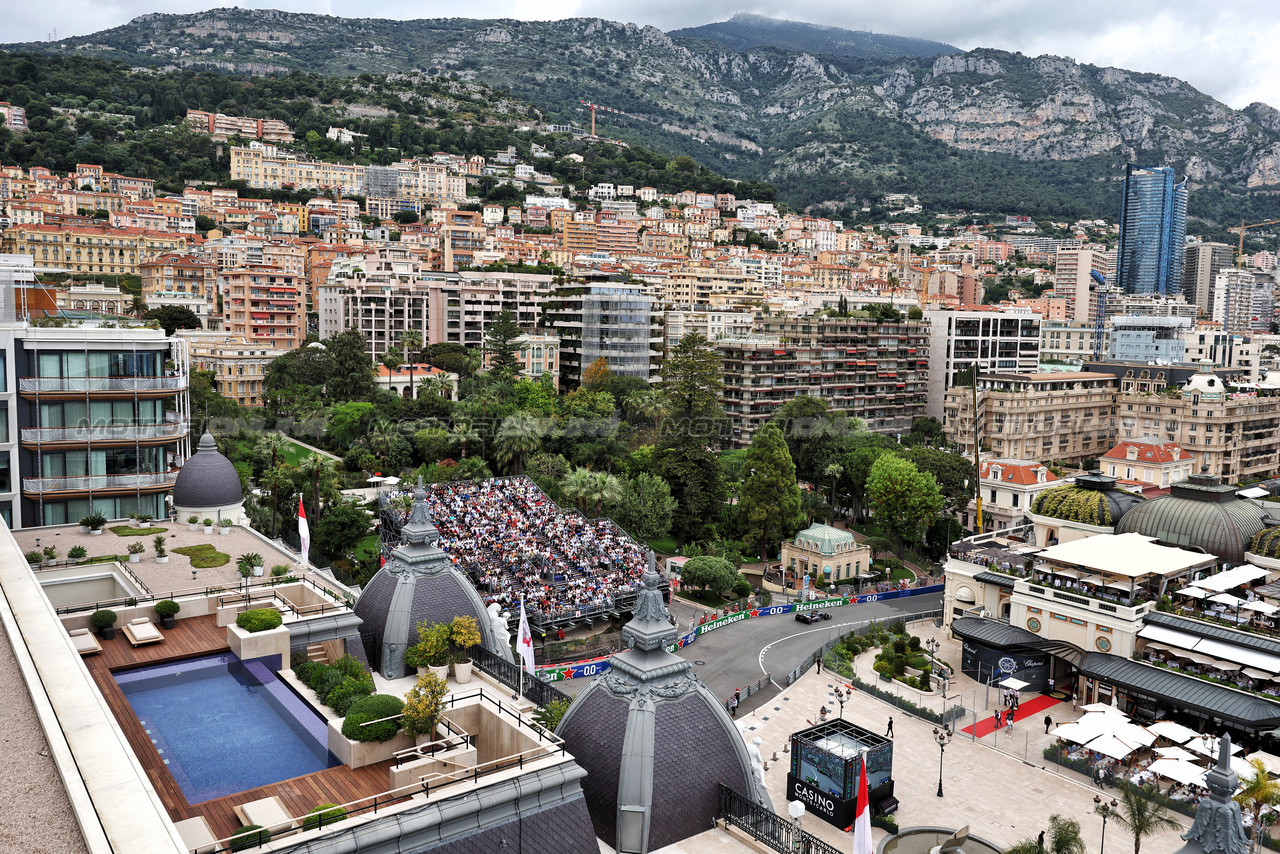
(586, 669)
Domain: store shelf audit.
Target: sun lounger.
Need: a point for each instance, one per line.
(266, 812)
(86, 643)
(197, 835)
(142, 631)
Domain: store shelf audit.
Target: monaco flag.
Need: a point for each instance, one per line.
(304, 531)
(862, 825)
(524, 643)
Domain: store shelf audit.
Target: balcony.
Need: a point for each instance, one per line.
(152, 482)
(151, 386)
(128, 434)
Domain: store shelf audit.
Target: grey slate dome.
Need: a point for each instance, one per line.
(1199, 513)
(419, 583)
(654, 740)
(207, 479)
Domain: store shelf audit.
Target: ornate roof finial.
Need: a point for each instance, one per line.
(1218, 828)
(650, 626)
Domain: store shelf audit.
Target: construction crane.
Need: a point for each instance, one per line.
(595, 107)
(1242, 228)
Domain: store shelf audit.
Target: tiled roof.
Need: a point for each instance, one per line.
(1019, 472)
(1149, 451)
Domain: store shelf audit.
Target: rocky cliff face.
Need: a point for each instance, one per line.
(762, 111)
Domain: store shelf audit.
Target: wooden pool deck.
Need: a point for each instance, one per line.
(197, 636)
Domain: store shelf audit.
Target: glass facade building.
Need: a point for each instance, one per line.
(1153, 228)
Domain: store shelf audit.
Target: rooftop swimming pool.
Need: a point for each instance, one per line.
(223, 726)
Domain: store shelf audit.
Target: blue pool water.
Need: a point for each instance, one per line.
(223, 726)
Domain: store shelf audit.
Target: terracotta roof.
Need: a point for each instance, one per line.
(1149, 451)
(1019, 472)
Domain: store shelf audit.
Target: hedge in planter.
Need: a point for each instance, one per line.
(373, 709)
(249, 836)
(259, 620)
(323, 815)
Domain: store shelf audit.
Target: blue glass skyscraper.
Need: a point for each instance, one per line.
(1153, 230)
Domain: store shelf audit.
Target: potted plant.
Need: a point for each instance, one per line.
(144, 520)
(166, 609)
(432, 649)
(97, 519)
(84, 524)
(225, 525)
(105, 622)
(135, 551)
(161, 555)
(208, 526)
(34, 557)
(423, 706)
(193, 523)
(250, 564)
(50, 555)
(77, 553)
(134, 520)
(463, 634)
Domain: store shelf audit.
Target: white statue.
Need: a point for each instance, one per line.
(757, 761)
(498, 622)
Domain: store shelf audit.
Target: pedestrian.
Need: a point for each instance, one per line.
(1050, 691)
(733, 707)
(1040, 841)
(819, 664)
(822, 715)
(888, 733)
(1048, 722)
(1097, 776)
(1008, 721)
(999, 721)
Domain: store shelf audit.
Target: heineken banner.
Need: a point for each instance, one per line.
(581, 669)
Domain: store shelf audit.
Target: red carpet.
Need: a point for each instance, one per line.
(1030, 713)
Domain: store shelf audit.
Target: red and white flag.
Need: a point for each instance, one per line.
(524, 642)
(862, 843)
(304, 531)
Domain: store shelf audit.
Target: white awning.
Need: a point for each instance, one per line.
(1242, 655)
(1260, 606)
(1173, 731)
(1176, 753)
(1255, 673)
(1130, 555)
(1270, 762)
(1253, 492)
(1178, 770)
(1229, 578)
(1109, 745)
(1227, 599)
(1193, 592)
(1014, 683)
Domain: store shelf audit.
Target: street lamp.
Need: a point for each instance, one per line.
(841, 696)
(943, 737)
(1106, 811)
(795, 809)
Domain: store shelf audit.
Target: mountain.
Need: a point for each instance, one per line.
(744, 31)
(984, 130)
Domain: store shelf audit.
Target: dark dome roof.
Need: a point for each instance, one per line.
(207, 479)
(1093, 499)
(1199, 513)
(418, 584)
(651, 736)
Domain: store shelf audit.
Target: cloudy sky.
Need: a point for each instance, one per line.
(1224, 49)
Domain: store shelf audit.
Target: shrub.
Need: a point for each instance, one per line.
(463, 634)
(914, 643)
(50, 553)
(167, 608)
(259, 620)
(33, 557)
(423, 705)
(225, 523)
(193, 520)
(551, 715)
(326, 682)
(919, 662)
(373, 708)
(97, 519)
(306, 669)
(249, 836)
(350, 666)
(77, 553)
(136, 548)
(900, 646)
(279, 570)
(322, 815)
(348, 692)
(925, 673)
(84, 521)
(432, 648)
(102, 619)
(208, 523)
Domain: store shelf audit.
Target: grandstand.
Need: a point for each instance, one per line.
(513, 541)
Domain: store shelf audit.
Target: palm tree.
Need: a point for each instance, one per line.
(1064, 836)
(603, 487)
(576, 486)
(392, 360)
(274, 444)
(647, 403)
(437, 384)
(137, 307)
(833, 471)
(1258, 790)
(320, 472)
(812, 505)
(410, 339)
(381, 436)
(1024, 846)
(519, 436)
(1139, 816)
(463, 433)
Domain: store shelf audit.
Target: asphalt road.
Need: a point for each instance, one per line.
(733, 657)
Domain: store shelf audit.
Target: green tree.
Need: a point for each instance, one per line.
(685, 458)
(341, 528)
(171, 317)
(410, 345)
(137, 307)
(596, 375)
(273, 444)
(500, 343)
(519, 436)
(1140, 816)
(904, 500)
(1258, 789)
(350, 421)
(708, 573)
(351, 374)
(769, 510)
(645, 508)
(951, 471)
(878, 546)
(857, 468)
(1063, 836)
(320, 473)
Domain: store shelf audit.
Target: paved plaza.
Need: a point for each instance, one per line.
(995, 784)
